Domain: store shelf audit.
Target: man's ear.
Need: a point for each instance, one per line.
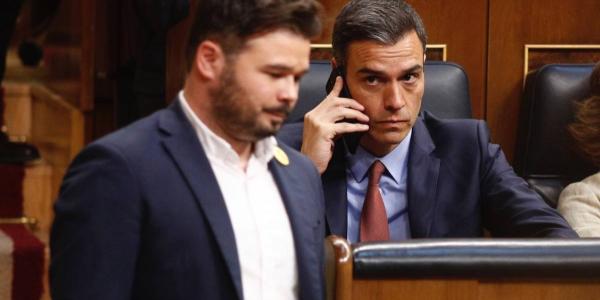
(209, 60)
(333, 63)
(424, 57)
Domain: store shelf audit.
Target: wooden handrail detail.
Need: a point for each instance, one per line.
(22, 220)
(343, 267)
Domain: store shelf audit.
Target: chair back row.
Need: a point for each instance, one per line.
(545, 155)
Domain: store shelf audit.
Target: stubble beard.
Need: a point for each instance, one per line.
(237, 115)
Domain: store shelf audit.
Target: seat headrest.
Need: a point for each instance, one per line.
(312, 89)
(544, 146)
(446, 90)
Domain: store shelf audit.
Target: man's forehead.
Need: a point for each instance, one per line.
(372, 50)
(371, 56)
(278, 49)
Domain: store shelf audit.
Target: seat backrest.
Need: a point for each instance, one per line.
(545, 154)
(446, 90)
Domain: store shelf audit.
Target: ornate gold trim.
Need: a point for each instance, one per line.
(444, 48)
(320, 46)
(529, 47)
(22, 220)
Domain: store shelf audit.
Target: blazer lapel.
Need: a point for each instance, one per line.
(423, 171)
(185, 149)
(299, 209)
(334, 189)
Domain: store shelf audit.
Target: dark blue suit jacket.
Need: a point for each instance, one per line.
(140, 216)
(458, 184)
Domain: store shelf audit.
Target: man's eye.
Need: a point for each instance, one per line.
(410, 78)
(372, 80)
(276, 75)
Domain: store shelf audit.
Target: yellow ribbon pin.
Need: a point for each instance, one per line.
(281, 157)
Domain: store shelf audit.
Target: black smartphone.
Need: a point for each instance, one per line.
(351, 139)
(338, 71)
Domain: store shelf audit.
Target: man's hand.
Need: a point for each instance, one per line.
(327, 122)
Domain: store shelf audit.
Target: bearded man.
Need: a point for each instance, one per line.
(199, 200)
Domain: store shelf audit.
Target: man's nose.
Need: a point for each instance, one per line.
(288, 91)
(394, 98)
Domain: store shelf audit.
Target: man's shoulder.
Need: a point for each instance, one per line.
(136, 142)
(135, 135)
(453, 126)
(453, 131)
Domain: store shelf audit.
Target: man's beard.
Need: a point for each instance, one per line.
(238, 115)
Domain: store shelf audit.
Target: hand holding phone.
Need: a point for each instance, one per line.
(335, 73)
(337, 115)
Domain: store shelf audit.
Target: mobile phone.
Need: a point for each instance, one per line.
(351, 139)
(337, 71)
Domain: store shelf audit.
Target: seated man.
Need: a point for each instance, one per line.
(390, 174)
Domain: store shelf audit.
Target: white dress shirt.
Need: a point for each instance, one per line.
(263, 234)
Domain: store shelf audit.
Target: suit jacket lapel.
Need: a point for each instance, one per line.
(185, 149)
(299, 209)
(423, 171)
(334, 189)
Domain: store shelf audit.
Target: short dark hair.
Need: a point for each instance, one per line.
(232, 22)
(383, 21)
(586, 128)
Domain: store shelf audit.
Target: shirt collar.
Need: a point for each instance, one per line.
(216, 147)
(394, 162)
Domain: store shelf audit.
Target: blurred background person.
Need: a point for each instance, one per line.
(579, 202)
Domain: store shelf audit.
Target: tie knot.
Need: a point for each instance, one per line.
(377, 169)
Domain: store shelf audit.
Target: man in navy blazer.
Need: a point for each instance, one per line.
(442, 178)
(199, 200)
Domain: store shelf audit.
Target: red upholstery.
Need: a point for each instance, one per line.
(11, 190)
(27, 263)
(21, 253)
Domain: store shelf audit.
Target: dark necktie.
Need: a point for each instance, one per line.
(373, 218)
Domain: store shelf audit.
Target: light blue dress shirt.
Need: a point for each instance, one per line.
(392, 187)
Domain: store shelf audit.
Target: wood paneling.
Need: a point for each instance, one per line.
(474, 289)
(414, 289)
(512, 25)
(17, 111)
(537, 56)
(331, 8)
(38, 197)
(462, 26)
(57, 130)
(175, 55)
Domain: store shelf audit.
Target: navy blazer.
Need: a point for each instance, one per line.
(458, 185)
(140, 216)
